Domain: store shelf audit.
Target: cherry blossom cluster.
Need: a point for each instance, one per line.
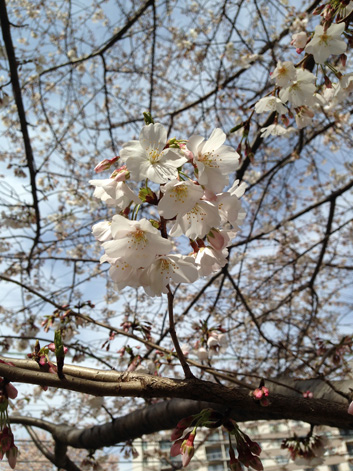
(261, 394)
(213, 341)
(184, 435)
(7, 444)
(182, 182)
(297, 90)
(307, 450)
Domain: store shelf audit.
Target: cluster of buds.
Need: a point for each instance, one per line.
(7, 444)
(213, 341)
(333, 8)
(185, 432)
(64, 316)
(335, 351)
(261, 394)
(144, 327)
(41, 355)
(248, 450)
(307, 450)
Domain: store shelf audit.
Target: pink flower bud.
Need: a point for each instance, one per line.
(257, 393)
(121, 174)
(187, 449)
(308, 394)
(6, 440)
(299, 40)
(217, 239)
(187, 153)
(12, 456)
(11, 391)
(51, 347)
(105, 164)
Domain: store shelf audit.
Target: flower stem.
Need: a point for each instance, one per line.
(187, 372)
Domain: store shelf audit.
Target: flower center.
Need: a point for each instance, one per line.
(138, 238)
(154, 156)
(180, 192)
(207, 159)
(324, 38)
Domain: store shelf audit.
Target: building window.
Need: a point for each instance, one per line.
(350, 448)
(165, 445)
(214, 453)
(281, 459)
(216, 467)
(334, 467)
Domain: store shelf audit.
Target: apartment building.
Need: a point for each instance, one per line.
(212, 449)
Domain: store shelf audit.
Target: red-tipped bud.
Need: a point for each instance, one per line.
(11, 391)
(187, 449)
(105, 164)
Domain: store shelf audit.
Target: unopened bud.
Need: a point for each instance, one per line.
(105, 164)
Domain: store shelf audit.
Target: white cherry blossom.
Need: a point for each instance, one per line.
(176, 267)
(123, 274)
(304, 117)
(285, 73)
(275, 130)
(148, 157)
(324, 43)
(299, 40)
(270, 103)
(114, 193)
(301, 92)
(210, 260)
(137, 242)
(214, 161)
(102, 231)
(197, 222)
(179, 198)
